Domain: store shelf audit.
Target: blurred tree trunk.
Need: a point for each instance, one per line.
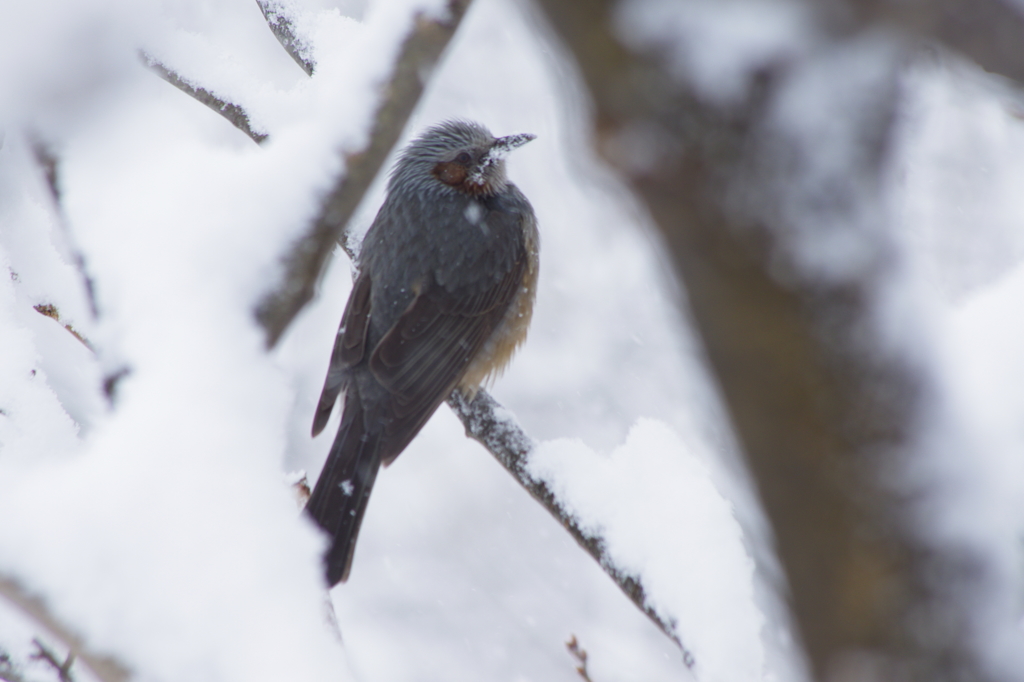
(826, 412)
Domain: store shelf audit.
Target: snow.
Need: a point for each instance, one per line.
(962, 148)
(833, 227)
(160, 522)
(960, 206)
(654, 502)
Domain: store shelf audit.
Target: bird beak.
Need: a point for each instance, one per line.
(503, 145)
(498, 151)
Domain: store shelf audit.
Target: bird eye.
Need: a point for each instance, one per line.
(463, 158)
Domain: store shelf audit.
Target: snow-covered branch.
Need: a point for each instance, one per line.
(490, 424)
(234, 113)
(282, 25)
(303, 265)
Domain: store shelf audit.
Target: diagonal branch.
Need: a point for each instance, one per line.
(47, 655)
(281, 25)
(236, 115)
(105, 668)
(303, 265)
(491, 425)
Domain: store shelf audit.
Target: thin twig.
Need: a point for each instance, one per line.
(49, 310)
(49, 163)
(105, 668)
(44, 653)
(235, 114)
(503, 438)
(281, 25)
(307, 258)
(580, 654)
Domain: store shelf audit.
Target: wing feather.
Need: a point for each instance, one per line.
(423, 356)
(349, 349)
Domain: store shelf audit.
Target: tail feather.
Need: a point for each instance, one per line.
(342, 492)
(328, 397)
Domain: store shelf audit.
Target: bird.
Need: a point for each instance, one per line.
(443, 296)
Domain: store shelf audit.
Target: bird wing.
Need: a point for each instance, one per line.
(425, 353)
(349, 349)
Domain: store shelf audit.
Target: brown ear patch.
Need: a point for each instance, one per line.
(451, 173)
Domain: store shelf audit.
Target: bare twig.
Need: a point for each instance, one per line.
(105, 668)
(44, 653)
(503, 438)
(47, 161)
(112, 381)
(303, 265)
(283, 29)
(49, 310)
(50, 165)
(235, 114)
(580, 654)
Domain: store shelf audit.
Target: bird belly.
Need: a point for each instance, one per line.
(498, 350)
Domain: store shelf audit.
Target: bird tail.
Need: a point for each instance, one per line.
(339, 499)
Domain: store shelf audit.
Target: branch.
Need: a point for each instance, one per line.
(491, 425)
(105, 668)
(281, 25)
(49, 310)
(44, 653)
(48, 163)
(303, 265)
(580, 654)
(235, 114)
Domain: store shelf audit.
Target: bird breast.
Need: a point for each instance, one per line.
(510, 333)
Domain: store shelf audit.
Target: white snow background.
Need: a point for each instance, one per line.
(163, 528)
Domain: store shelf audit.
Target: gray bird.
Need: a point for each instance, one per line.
(443, 298)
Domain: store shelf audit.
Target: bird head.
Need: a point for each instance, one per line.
(457, 156)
